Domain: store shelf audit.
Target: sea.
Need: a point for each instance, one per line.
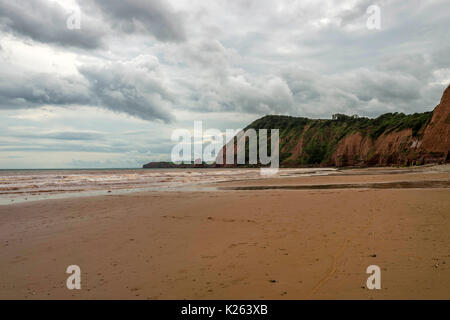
(37, 184)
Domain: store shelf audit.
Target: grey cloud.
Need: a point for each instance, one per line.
(414, 65)
(35, 90)
(305, 85)
(57, 145)
(135, 87)
(387, 87)
(65, 135)
(357, 12)
(231, 90)
(45, 21)
(397, 83)
(215, 84)
(62, 142)
(210, 54)
(42, 147)
(36, 133)
(154, 16)
(367, 92)
(441, 55)
(270, 95)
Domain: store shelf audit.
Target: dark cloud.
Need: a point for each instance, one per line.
(134, 87)
(46, 22)
(22, 90)
(154, 16)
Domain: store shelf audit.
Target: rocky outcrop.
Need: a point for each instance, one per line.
(435, 144)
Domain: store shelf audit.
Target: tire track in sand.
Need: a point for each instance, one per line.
(336, 256)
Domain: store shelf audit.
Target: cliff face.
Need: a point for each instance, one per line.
(390, 139)
(436, 138)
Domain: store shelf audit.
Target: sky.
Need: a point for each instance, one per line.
(104, 83)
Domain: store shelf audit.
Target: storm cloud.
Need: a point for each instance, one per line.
(135, 87)
(19, 91)
(156, 17)
(46, 22)
(255, 57)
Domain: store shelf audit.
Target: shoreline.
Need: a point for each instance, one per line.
(39, 185)
(284, 177)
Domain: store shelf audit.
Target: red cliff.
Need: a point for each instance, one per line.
(390, 139)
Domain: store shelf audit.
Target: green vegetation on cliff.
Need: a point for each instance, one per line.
(318, 138)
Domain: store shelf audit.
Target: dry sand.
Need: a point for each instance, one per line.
(264, 244)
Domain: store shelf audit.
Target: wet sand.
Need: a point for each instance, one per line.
(236, 244)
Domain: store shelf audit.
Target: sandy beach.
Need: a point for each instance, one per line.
(237, 244)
